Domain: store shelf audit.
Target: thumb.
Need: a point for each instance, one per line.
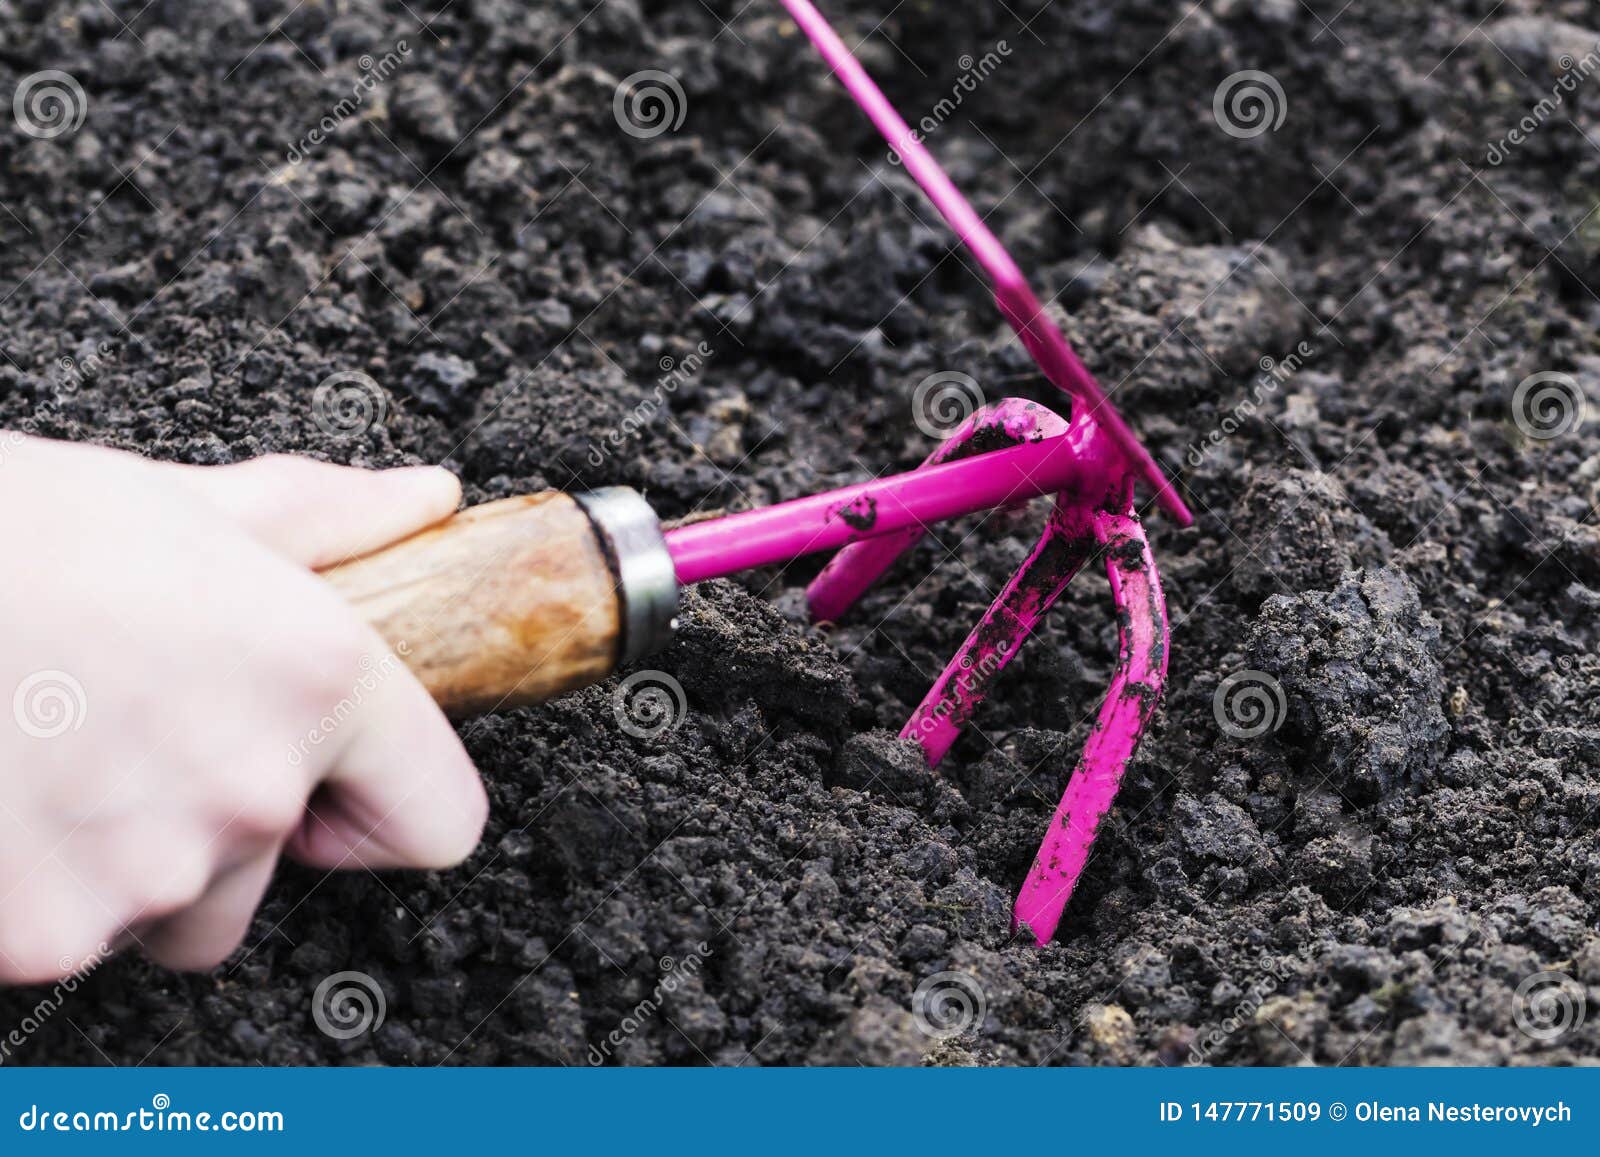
(319, 514)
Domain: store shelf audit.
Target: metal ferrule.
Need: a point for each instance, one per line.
(647, 582)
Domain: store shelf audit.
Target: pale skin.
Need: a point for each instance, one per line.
(215, 706)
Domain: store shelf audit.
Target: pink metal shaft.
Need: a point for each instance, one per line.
(1041, 336)
(919, 498)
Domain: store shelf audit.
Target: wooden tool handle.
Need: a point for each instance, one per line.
(506, 603)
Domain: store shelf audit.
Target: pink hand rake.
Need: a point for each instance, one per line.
(1098, 517)
(518, 600)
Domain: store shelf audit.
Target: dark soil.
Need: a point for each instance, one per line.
(1368, 884)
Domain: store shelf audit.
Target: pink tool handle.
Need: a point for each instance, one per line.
(1042, 337)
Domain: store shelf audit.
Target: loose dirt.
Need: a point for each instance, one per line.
(1378, 536)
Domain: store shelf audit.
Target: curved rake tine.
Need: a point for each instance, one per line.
(1067, 543)
(1136, 685)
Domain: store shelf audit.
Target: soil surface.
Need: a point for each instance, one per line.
(737, 310)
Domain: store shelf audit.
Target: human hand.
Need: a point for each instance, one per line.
(181, 699)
